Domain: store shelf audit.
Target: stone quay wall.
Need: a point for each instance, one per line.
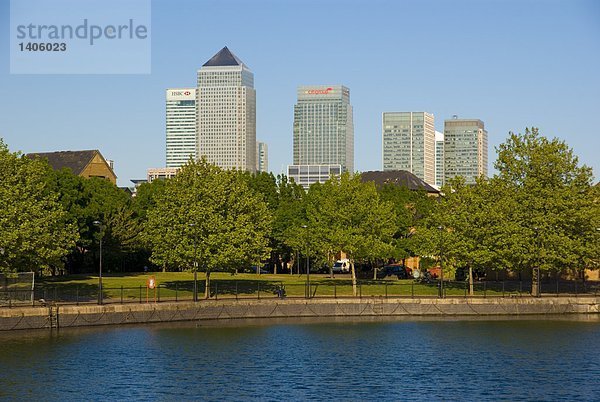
(63, 316)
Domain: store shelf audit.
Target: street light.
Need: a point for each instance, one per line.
(441, 228)
(99, 224)
(195, 265)
(307, 263)
(535, 274)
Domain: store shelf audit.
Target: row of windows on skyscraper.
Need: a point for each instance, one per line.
(411, 143)
(217, 120)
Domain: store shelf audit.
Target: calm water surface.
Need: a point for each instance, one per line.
(551, 359)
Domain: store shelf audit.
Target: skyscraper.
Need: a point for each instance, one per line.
(409, 143)
(439, 159)
(262, 157)
(181, 126)
(465, 149)
(226, 113)
(323, 134)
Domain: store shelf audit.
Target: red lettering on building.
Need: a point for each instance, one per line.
(319, 91)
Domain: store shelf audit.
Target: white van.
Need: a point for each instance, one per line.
(341, 266)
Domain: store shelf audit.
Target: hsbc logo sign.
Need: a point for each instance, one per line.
(319, 91)
(181, 94)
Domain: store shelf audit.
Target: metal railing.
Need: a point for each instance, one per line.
(232, 289)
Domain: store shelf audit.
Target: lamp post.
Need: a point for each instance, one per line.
(99, 224)
(535, 273)
(307, 264)
(441, 229)
(195, 266)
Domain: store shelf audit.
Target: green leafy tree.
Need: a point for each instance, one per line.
(207, 215)
(96, 199)
(553, 223)
(282, 198)
(145, 198)
(464, 229)
(289, 216)
(345, 214)
(411, 208)
(35, 233)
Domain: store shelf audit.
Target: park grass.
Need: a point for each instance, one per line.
(179, 286)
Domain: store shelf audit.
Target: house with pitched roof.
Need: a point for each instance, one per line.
(86, 164)
(401, 178)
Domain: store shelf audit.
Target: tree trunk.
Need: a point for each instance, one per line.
(207, 285)
(354, 288)
(471, 280)
(535, 282)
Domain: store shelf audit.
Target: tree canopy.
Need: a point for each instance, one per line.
(208, 215)
(35, 232)
(554, 213)
(540, 210)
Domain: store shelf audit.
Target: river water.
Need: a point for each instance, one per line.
(484, 359)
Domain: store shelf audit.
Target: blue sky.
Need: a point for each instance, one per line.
(511, 64)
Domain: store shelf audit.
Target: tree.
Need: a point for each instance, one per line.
(411, 208)
(282, 198)
(209, 215)
(96, 199)
(35, 233)
(145, 198)
(345, 214)
(288, 216)
(464, 229)
(554, 221)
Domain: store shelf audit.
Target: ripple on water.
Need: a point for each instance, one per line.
(407, 360)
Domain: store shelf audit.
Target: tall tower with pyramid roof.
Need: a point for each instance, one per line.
(226, 107)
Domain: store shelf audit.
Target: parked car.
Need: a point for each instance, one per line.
(398, 270)
(342, 266)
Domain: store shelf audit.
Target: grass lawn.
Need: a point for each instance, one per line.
(179, 285)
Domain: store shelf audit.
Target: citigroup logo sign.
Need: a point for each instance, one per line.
(319, 91)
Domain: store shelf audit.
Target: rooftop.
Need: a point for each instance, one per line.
(223, 58)
(74, 160)
(397, 177)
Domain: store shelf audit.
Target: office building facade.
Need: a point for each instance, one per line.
(226, 113)
(465, 149)
(160, 173)
(323, 133)
(307, 175)
(409, 143)
(180, 126)
(439, 159)
(262, 157)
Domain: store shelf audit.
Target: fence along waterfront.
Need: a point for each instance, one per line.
(14, 296)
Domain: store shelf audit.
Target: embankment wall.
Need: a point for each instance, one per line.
(60, 316)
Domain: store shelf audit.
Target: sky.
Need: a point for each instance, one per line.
(512, 64)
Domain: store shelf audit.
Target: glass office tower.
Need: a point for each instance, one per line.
(409, 143)
(465, 149)
(180, 126)
(323, 133)
(439, 159)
